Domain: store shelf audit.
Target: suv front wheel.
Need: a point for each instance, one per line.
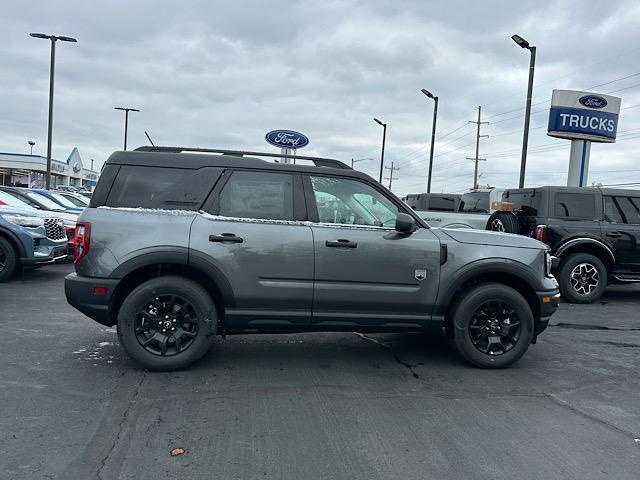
(167, 323)
(582, 278)
(493, 326)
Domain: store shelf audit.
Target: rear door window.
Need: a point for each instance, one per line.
(526, 202)
(628, 209)
(162, 188)
(574, 205)
(442, 204)
(259, 195)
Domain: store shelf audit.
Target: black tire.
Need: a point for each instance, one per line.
(577, 274)
(8, 260)
(503, 222)
(195, 323)
(513, 319)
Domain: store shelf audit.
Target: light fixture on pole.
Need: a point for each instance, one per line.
(433, 135)
(53, 39)
(384, 139)
(126, 120)
(31, 145)
(527, 114)
(356, 160)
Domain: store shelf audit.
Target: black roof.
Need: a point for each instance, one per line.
(194, 158)
(559, 188)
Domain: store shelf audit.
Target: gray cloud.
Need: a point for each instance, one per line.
(223, 74)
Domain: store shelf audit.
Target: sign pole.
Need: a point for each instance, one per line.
(579, 163)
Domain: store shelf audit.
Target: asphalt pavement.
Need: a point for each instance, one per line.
(316, 406)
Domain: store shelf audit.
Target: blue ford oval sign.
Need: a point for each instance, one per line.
(593, 101)
(286, 139)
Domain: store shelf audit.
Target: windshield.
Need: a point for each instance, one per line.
(475, 202)
(63, 200)
(50, 204)
(10, 200)
(79, 200)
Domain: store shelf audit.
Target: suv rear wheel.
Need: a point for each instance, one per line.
(8, 260)
(167, 323)
(582, 278)
(493, 326)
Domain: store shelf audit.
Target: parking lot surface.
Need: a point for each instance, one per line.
(313, 406)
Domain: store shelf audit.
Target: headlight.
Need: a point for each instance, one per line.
(24, 221)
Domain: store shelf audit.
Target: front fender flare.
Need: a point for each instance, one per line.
(483, 267)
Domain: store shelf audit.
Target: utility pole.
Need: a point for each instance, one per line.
(391, 178)
(478, 137)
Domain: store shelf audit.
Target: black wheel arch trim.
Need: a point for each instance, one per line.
(178, 256)
(572, 242)
(13, 238)
(486, 266)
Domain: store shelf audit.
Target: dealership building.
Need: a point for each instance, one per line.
(25, 170)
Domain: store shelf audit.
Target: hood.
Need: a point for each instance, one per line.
(486, 237)
(32, 212)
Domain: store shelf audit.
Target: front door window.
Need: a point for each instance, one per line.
(350, 202)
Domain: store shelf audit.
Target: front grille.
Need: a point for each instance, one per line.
(55, 229)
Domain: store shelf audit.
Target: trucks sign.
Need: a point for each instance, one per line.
(583, 116)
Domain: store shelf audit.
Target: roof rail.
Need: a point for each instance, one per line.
(318, 161)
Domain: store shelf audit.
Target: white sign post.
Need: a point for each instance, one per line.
(582, 117)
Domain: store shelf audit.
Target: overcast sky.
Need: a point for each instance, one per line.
(222, 74)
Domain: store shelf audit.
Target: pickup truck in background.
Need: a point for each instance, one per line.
(474, 210)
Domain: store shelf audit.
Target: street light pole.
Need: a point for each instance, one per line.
(31, 144)
(384, 139)
(53, 39)
(433, 135)
(126, 121)
(527, 115)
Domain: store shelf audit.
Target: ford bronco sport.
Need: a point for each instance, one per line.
(177, 247)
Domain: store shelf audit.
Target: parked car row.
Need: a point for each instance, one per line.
(593, 233)
(36, 227)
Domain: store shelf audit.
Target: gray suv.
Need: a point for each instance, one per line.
(177, 247)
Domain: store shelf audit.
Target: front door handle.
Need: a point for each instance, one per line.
(341, 243)
(614, 234)
(226, 237)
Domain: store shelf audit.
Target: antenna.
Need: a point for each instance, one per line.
(150, 141)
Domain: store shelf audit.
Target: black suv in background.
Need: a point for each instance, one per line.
(594, 233)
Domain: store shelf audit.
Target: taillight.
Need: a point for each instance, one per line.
(81, 240)
(541, 233)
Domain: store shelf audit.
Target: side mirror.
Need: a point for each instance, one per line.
(405, 223)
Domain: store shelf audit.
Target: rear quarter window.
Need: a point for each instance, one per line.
(574, 205)
(161, 187)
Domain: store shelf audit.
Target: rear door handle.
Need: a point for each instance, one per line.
(614, 234)
(226, 237)
(341, 243)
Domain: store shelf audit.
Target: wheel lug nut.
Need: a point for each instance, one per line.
(174, 320)
(163, 330)
(173, 329)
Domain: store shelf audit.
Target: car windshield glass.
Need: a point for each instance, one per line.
(64, 201)
(475, 202)
(50, 204)
(10, 200)
(79, 200)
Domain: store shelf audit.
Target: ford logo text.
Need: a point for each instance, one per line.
(593, 101)
(286, 139)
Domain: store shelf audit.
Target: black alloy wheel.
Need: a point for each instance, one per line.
(494, 328)
(166, 325)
